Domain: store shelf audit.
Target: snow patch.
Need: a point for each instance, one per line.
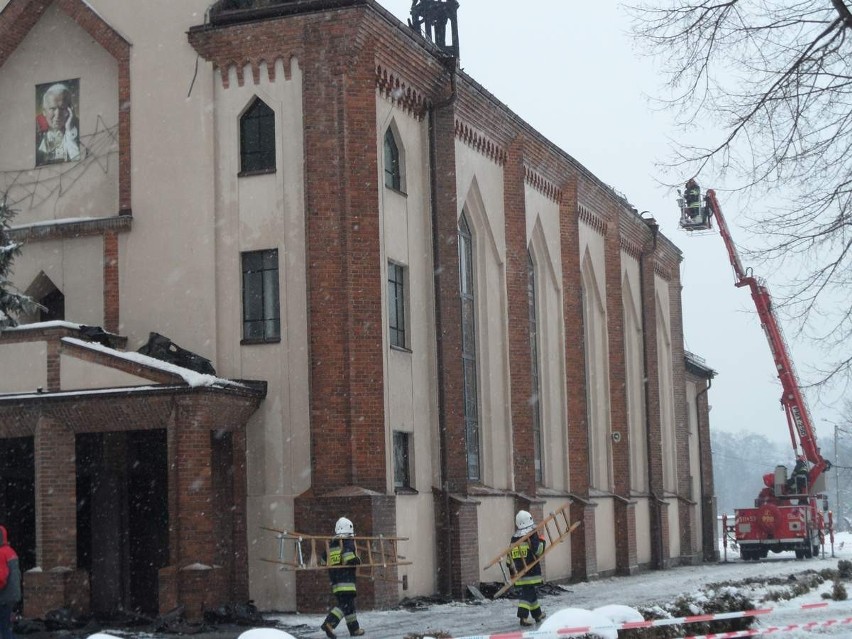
(576, 622)
(265, 633)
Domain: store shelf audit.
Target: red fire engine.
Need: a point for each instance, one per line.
(787, 513)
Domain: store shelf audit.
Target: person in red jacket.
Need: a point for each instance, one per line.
(10, 585)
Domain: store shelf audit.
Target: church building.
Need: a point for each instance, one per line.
(295, 264)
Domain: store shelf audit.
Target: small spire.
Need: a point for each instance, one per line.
(430, 18)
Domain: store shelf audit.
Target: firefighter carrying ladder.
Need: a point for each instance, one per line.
(297, 551)
(553, 529)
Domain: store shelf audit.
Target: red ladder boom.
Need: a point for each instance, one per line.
(798, 416)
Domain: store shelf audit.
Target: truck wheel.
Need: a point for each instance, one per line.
(800, 554)
(816, 550)
(808, 552)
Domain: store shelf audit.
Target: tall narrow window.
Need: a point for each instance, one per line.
(535, 400)
(468, 330)
(401, 460)
(261, 312)
(396, 304)
(257, 139)
(393, 167)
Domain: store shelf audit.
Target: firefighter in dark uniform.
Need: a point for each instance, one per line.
(341, 552)
(520, 556)
(693, 200)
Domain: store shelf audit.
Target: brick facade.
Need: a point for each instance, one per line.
(353, 58)
(206, 462)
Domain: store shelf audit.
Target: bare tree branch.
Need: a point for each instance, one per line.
(771, 82)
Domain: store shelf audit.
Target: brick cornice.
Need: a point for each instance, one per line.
(263, 42)
(543, 186)
(633, 249)
(594, 221)
(662, 270)
(480, 143)
(400, 93)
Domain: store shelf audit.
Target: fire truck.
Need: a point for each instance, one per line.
(789, 512)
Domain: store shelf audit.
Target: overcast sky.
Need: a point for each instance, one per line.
(570, 69)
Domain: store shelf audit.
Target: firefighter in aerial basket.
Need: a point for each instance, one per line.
(692, 196)
(519, 557)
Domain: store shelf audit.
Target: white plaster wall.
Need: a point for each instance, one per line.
(557, 564)
(57, 49)
(479, 184)
(167, 262)
(260, 212)
(666, 376)
(694, 462)
(593, 265)
(543, 239)
(544, 212)
(605, 534)
(643, 527)
(496, 525)
(167, 259)
(75, 266)
(674, 528)
(413, 519)
(634, 373)
(28, 360)
(75, 374)
(410, 390)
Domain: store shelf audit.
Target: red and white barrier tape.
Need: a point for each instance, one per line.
(549, 634)
(772, 629)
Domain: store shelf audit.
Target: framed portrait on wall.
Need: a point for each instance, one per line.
(57, 122)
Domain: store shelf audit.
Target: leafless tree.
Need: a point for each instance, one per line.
(769, 82)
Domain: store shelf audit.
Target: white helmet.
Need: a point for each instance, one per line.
(344, 528)
(524, 521)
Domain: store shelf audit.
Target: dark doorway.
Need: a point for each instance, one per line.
(17, 497)
(122, 517)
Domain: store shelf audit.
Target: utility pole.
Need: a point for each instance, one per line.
(838, 521)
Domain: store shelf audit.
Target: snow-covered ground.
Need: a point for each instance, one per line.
(645, 589)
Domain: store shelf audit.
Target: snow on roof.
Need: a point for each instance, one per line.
(80, 392)
(41, 325)
(190, 377)
(65, 220)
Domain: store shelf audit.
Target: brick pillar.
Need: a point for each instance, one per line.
(659, 529)
(687, 519)
(240, 523)
(372, 515)
(53, 367)
(447, 300)
(344, 262)
(454, 514)
(575, 391)
(59, 584)
(111, 305)
(626, 561)
(710, 547)
(517, 289)
(460, 540)
(124, 155)
(193, 578)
